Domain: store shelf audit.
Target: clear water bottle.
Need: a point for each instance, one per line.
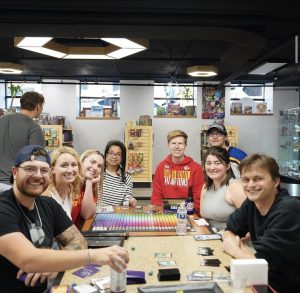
(181, 219)
(118, 281)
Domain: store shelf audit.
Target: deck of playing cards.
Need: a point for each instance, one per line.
(167, 263)
(200, 276)
(205, 251)
(212, 262)
(162, 254)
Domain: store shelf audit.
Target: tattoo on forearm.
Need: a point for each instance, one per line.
(71, 239)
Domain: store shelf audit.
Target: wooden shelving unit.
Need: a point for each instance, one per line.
(139, 144)
(56, 137)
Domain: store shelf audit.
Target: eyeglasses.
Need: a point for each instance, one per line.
(218, 134)
(29, 170)
(116, 155)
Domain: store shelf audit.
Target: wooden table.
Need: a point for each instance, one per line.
(184, 251)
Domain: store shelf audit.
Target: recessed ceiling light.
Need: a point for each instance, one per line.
(266, 68)
(202, 70)
(10, 68)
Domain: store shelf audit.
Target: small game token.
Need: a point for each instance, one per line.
(150, 273)
(132, 247)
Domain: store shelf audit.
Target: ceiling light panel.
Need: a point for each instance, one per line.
(266, 68)
(123, 43)
(123, 53)
(32, 41)
(46, 51)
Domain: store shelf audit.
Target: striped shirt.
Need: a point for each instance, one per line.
(115, 191)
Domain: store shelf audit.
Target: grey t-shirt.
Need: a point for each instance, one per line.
(16, 131)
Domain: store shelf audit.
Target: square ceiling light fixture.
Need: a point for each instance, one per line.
(117, 48)
(10, 68)
(266, 68)
(202, 70)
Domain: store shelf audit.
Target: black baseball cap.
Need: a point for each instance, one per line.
(25, 154)
(219, 127)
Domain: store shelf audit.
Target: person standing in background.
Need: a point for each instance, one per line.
(18, 130)
(177, 173)
(217, 136)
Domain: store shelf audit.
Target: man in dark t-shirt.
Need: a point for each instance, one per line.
(272, 217)
(28, 224)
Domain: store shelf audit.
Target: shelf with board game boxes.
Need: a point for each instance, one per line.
(139, 143)
(53, 136)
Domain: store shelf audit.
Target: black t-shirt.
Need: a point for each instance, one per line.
(54, 222)
(275, 237)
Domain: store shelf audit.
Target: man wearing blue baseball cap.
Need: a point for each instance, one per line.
(29, 223)
(217, 136)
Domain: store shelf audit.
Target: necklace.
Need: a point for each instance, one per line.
(31, 223)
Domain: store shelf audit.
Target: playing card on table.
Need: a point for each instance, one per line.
(86, 271)
(167, 263)
(163, 254)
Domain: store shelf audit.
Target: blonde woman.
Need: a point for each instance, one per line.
(84, 206)
(65, 178)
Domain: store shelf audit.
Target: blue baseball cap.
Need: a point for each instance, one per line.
(25, 154)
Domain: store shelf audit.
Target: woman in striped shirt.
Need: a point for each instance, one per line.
(117, 184)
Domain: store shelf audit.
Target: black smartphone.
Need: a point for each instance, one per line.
(263, 289)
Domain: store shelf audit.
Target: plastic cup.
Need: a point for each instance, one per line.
(238, 283)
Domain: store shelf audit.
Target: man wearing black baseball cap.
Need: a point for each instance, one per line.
(28, 224)
(217, 136)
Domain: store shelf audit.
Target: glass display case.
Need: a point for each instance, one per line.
(289, 149)
(289, 143)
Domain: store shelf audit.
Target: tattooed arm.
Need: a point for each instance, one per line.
(71, 239)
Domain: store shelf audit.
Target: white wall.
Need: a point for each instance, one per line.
(256, 133)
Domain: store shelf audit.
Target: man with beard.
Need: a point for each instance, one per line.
(272, 217)
(28, 224)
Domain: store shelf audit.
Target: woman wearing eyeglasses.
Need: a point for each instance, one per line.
(65, 179)
(221, 194)
(117, 184)
(84, 206)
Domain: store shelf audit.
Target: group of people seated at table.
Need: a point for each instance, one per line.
(235, 192)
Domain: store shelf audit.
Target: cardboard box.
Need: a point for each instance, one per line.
(256, 270)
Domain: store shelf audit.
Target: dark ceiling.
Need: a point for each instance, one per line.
(234, 36)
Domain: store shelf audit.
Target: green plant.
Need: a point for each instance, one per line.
(14, 90)
(186, 94)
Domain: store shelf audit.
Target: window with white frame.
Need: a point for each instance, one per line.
(99, 100)
(173, 99)
(251, 99)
